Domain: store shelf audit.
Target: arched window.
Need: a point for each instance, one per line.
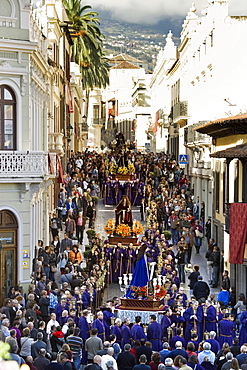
(7, 118)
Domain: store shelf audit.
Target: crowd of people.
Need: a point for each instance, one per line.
(62, 321)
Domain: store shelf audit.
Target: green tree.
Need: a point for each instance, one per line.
(87, 48)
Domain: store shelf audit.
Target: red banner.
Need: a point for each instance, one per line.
(238, 232)
(155, 128)
(60, 170)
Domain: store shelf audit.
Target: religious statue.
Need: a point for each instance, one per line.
(123, 212)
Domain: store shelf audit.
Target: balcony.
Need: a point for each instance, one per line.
(56, 143)
(194, 139)
(98, 121)
(84, 127)
(26, 166)
(180, 113)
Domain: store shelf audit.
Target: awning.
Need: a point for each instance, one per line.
(238, 151)
(234, 125)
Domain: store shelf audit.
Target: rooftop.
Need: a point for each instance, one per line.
(226, 126)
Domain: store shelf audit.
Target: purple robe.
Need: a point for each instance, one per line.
(127, 190)
(215, 346)
(140, 194)
(98, 324)
(108, 193)
(226, 332)
(137, 332)
(175, 339)
(243, 330)
(210, 319)
(117, 264)
(131, 260)
(117, 192)
(154, 335)
(165, 323)
(59, 309)
(135, 188)
(126, 334)
(118, 332)
(84, 334)
(190, 323)
(107, 322)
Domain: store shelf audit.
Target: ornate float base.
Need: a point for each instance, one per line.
(123, 177)
(124, 240)
(141, 304)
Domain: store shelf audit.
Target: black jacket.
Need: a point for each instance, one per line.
(144, 350)
(201, 290)
(193, 278)
(126, 361)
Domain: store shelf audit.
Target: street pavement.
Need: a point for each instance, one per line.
(106, 212)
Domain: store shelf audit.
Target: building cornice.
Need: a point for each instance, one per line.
(18, 45)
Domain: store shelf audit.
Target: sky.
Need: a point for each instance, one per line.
(152, 11)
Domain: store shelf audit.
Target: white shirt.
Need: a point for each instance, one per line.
(106, 358)
(49, 325)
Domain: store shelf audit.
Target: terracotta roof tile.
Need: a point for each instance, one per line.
(125, 65)
(238, 151)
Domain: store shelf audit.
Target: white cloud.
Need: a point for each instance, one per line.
(152, 11)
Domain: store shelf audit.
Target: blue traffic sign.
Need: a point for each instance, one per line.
(183, 158)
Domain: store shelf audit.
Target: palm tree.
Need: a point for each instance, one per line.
(87, 48)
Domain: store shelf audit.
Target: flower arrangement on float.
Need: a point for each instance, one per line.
(123, 170)
(110, 226)
(139, 292)
(131, 168)
(159, 292)
(113, 168)
(123, 230)
(137, 227)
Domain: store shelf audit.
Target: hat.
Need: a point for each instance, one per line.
(199, 277)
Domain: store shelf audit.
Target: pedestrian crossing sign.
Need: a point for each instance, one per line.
(183, 158)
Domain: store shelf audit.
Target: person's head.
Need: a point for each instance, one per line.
(110, 351)
(127, 347)
(235, 364)
(212, 334)
(118, 322)
(53, 356)
(64, 357)
(168, 361)
(179, 361)
(178, 344)
(12, 333)
(100, 315)
(26, 332)
(138, 319)
(243, 349)
(112, 338)
(161, 367)
(193, 359)
(42, 352)
(206, 346)
(40, 336)
(97, 359)
(29, 359)
(196, 268)
(109, 364)
(5, 322)
(94, 331)
(156, 357)
(229, 356)
(166, 345)
(191, 347)
(143, 359)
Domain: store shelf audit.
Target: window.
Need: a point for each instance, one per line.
(7, 119)
(217, 191)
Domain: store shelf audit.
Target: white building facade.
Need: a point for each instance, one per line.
(32, 110)
(203, 82)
